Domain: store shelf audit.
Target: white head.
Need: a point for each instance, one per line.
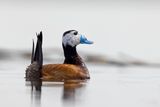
(72, 38)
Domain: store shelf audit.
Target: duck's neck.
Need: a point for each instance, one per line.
(71, 56)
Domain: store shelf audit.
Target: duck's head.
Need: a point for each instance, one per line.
(73, 38)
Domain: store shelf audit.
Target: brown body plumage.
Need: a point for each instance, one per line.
(63, 72)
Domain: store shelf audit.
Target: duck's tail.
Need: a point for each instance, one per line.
(33, 72)
(38, 55)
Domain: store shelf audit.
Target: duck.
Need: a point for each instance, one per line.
(73, 67)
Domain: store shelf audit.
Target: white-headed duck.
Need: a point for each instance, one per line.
(73, 67)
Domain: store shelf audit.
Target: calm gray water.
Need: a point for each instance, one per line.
(109, 86)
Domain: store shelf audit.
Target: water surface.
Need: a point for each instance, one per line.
(109, 86)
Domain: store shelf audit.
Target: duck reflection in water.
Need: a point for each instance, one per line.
(72, 92)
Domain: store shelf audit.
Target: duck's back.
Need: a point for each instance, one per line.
(62, 72)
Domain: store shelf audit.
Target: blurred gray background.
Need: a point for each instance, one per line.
(116, 26)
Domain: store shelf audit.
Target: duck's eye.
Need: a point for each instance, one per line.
(75, 33)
